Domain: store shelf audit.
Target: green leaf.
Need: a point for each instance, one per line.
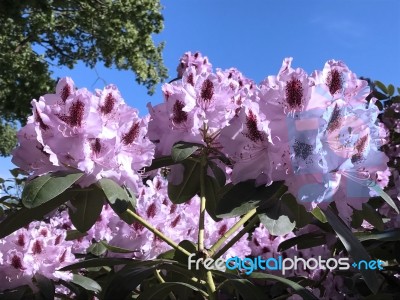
(182, 150)
(390, 90)
(160, 162)
(298, 289)
(189, 186)
(182, 258)
(44, 188)
(116, 249)
(298, 212)
(385, 236)
(303, 241)
(86, 208)
(19, 293)
(86, 282)
(354, 247)
(24, 216)
(245, 288)
(108, 261)
(120, 199)
(125, 281)
(278, 218)
(277, 222)
(17, 171)
(211, 192)
(162, 290)
(97, 249)
(245, 196)
(375, 187)
(74, 234)
(46, 286)
(219, 174)
(372, 216)
(319, 215)
(381, 86)
(114, 193)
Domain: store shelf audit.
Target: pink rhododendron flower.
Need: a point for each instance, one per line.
(97, 134)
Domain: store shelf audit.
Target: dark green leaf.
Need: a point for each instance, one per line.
(245, 196)
(110, 261)
(303, 241)
(167, 255)
(354, 247)
(387, 236)
(182, 150)
(189, 186)
(390, 90)
(125, 281)
(24, 216)
(277, 221)
(372, 216)
(160, 162)
(97, 249)
(116, 249)
(19, 293)
(298, 289)
(245, 288)
(211, 192)
(319, 215)
(298, 212)
(74, 234)
(396, 99)
(162, 290)
(86, 282)
(44, 188)
(46, 286)
(17, 171)
(375, 187)
(86, 208)
(119, 198)
(115, 192)
(381, 86)
(182, 258)
(219, 174)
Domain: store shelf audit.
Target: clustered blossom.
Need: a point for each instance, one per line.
(197, 105)
(317, 132)
(97, 134)
(40, 248)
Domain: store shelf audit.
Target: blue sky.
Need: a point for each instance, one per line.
(254, 36)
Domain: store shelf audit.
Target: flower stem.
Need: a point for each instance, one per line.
(157, 232)
(161, 280)
(209, 279)
(210, 285)
(237, 237)
(202, 206)
(231, 231)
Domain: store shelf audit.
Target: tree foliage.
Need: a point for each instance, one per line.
(115, 32)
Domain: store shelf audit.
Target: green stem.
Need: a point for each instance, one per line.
(231, 231)
(210, 285)
(161, 280)
(209, 279)
(157, 232)
(237, 237)
(202, 206)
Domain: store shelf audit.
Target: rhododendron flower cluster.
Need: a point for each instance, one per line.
(40, 248)
(97, 134)
(317, 132)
